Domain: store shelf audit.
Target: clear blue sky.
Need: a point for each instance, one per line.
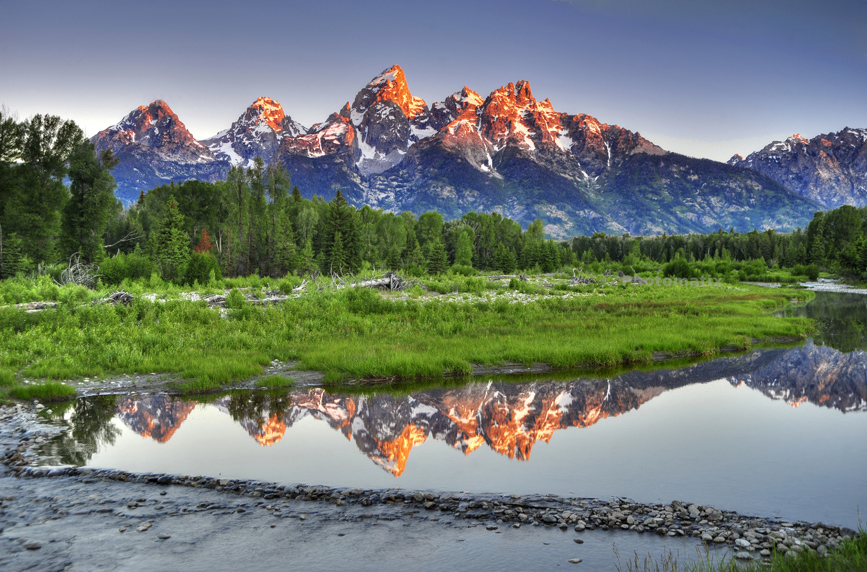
(703, 77)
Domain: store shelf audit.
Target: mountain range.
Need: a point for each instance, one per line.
(507, 152)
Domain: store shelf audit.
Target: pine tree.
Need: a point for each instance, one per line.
(12, 259)
(172, 249)
(341, 219)
(393, 261)
(464, 251)
(337, 257)
(296, 194)
(307, 260)
(437, 260)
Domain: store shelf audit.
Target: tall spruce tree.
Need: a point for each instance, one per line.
(341, 219)
(172, 248)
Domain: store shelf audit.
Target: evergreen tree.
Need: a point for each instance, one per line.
(307, 260)
(464, 251)
(437, 261)
(502, 259)
(296, 194)
(86, 214)
(337, 256)
(341, 219)
(172, 248)
(393, 260)
(12, 259)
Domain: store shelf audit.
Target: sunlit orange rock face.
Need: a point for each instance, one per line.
(391, 85)
(156, 417)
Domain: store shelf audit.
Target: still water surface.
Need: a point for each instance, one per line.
(772, 432)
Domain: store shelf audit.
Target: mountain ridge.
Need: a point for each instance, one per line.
(508, 153)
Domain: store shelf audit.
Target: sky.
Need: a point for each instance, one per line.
(705, 78)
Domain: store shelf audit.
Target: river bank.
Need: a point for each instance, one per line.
(120, 509)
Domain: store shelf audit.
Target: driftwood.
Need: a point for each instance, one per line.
(33, 307)
(389, 281)
(119, 297)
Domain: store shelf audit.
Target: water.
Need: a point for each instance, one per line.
(774, 432)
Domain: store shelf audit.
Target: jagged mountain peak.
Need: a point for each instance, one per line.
(152, 125)
(270, 111)
(257, 133)
(390, 85)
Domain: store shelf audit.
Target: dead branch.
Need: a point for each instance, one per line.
(79, 273)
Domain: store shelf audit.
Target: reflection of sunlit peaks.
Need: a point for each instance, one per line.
(155, 417)
(396, 452)
(270, 431)
(798, 402)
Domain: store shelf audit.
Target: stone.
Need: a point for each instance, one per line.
(578, 541)
(417, 496)
(166, 536)
(549, 519)
(742, 555)
(742, 543)
(143, 527)
(719, 540)
(575, 561)
(32, 545)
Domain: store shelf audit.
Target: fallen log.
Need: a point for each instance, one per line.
(390, 281)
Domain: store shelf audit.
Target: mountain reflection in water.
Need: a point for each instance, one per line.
(509, 418)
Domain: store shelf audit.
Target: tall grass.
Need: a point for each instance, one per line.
(851, 556)
(359, 333)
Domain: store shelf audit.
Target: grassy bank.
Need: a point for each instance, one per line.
(359, 333)
(851, 556)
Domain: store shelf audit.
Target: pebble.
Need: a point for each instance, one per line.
(166, 536)
(32, 545)
(576, 561)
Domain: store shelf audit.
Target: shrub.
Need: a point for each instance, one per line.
(677, 268)
(199, 269)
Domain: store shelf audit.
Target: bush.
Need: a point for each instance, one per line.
(677, 268)
(199, 269)
(464, 270)
(125, 267)
(235, 300)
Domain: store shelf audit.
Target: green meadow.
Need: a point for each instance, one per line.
(439, 327)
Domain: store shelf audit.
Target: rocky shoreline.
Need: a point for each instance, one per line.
(22, 431)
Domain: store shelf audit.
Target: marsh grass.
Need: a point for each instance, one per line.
(48, 391)
(851, 556)
(361, 334)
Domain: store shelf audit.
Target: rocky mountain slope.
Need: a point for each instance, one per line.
(830, 169)
(507, 152)
(154, 147)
